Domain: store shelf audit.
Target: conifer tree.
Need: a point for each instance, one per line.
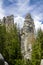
(37, 52)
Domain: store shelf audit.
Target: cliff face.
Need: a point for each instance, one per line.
(27, 37)
(8, 22)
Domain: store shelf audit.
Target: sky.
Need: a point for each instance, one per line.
(19, 8)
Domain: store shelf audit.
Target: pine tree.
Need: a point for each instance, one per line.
(37, 52)
(2, 38)
(12, 49)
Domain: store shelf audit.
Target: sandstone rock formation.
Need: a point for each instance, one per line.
(41, 62)
(1, 57)
(2, 61)
(8, 22)
(5, 63)
(27, 37)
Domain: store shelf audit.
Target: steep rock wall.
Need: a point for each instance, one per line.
(27, 37)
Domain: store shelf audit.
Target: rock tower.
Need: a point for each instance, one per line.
(8, 22)
(27, 37)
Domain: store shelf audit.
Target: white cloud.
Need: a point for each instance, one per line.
(1, 9)
(37, 23)
(19, 20)
(18, 8)
(42, 26)
(22, 7)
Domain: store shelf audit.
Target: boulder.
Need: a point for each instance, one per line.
(1, 59)
(41, 62)
(5, 63)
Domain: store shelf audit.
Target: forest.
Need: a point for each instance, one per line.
(10, 47)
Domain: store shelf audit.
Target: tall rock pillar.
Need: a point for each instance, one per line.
(27, 37)
(8, 22)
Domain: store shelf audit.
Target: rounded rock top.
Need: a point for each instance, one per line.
(28, 16)
(5, 63)
(1, 57)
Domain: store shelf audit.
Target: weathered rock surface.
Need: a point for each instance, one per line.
(8, 22)
(1, 59)
(41, 62)
(27, 37)
(5, 63)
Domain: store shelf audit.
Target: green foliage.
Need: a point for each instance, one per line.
(36, 55)
(12, 48)
(40, 39)
(2, 38)
(10, 45)
(37, 49)
(22, 62)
